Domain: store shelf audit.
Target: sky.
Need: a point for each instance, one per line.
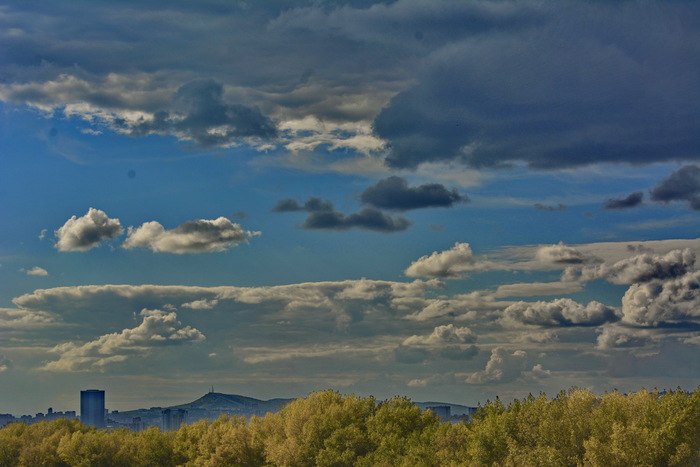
(451, 200)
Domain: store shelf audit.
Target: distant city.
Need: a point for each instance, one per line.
(93, 411)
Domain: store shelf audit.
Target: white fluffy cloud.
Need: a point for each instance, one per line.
(448, 342)
(614, 337)
(502, 367)
(451, 264)
(670, 301)
(559, 312)
(442, 335)
(35, 271)
(203, 304)
(87, 232)
(158, 328)
(5, 363)
(18, 318)
(199, 236)
(643, 268)
(562, 254)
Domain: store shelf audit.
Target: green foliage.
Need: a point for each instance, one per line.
(576, 428)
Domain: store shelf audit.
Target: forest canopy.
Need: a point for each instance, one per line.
(577, 427)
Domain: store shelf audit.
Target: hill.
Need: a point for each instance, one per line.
(213, 404)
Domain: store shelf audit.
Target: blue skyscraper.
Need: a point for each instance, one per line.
(92, 407)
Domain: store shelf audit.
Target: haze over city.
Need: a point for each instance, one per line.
(445, 200)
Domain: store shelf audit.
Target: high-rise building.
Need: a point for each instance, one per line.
(92, 407)
(173, 418)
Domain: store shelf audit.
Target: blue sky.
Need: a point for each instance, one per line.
(446, 200)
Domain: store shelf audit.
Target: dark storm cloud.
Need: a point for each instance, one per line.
(631, 201)
(682, 185)
(599, 82)
(208, 120)
(323, 216)
(313, 204)
(395, 194)
(367, 219)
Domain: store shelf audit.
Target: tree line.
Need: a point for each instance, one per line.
(326, 428)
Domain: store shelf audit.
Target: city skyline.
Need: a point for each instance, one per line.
(443, 200)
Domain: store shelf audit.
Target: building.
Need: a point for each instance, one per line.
(173, 418)
(442, 411)
(92, 407)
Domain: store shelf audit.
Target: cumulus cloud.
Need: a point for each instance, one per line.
(503, 366)
(448, 341)
(442, 335)
(643, 268)
(20, 318)
(663, 302)
(615, 337)
(5, 363)
(562, 254)
(395, 194)
(35, 271)
(87, 232)
(199, 236)
(157, 329)
(631, 201)
(561, 97)
(682, 185)
(452, 263)
(559, 312)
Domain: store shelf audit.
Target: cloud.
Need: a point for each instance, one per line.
(199, 236)
(395, 194)
(442, 335)
(87, 232)
(654, 303)
(643, 268)
(562, 95)
(682, 185)
(615, 337)
(562, 254)
(366, 219)
(502, 367)
(448, 341)
(313, 204)
(5, 364)
(203, 304)
(542, 207)
(157, 329)
(451, 264)
(18, 318)
(531, 289)
(206, 118)
(314, 311)
(559, 312)
(631, 201)
(323, 216)
(35, 271)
